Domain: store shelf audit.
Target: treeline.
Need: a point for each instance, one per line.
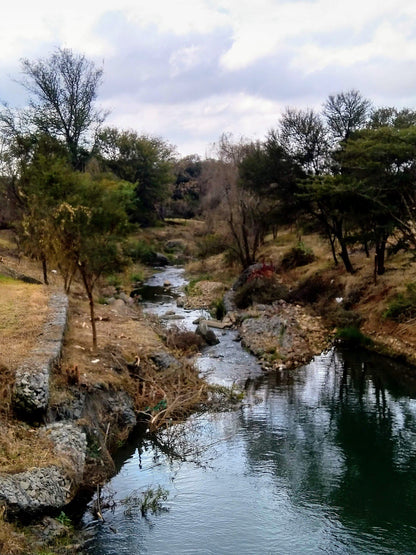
(74, 188)
(347, 171)
(71, 187)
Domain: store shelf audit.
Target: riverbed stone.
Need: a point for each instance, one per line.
(206, 333)
(53, 486)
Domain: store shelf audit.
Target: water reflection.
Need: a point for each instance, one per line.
(321, 460)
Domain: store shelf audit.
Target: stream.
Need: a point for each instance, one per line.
(317, 460)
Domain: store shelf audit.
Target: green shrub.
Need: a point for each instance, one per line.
(299, 255)
(403, 306)
(218, 309)
(140, 251)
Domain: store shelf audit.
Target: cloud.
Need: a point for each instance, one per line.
(190, 69)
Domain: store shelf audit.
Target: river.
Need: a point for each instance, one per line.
(317, 460)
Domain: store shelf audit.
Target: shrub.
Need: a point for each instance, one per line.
(312, 289)
(140, 251)
(218, 309)
(403, 306)
(299, 255)
(209, 245)
(262, 290)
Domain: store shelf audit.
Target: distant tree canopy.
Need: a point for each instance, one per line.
(145, 161)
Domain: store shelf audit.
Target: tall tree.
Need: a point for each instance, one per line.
(302, 133)
(346, 112)
(64, 90)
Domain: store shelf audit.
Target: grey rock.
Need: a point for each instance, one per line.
(207, 334)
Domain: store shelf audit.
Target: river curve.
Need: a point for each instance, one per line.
(317, 460)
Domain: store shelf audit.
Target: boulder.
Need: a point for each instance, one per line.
(207, 334)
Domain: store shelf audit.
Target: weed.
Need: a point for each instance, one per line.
(137, 277)
(114, 280)
(218, 309)
(64, 519)
(209, 245)
(148, 501)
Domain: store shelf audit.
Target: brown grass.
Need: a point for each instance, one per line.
(23, 311)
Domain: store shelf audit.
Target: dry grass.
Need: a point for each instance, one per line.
(11, 541)
(22, 448)
(23, 311)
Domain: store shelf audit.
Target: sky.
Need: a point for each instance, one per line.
(189, 70)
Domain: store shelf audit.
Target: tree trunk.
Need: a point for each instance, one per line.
(345, 256)
(89, 290)
(44, 269)
(381, 255)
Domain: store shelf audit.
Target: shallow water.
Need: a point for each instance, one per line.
(317, 460)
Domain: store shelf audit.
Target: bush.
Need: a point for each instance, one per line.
(209, 245)
(299, 255)
(218, 309)
(140, 251)
(262, 290)
(403, 306)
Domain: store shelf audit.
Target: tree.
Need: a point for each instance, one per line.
(88, 229)
(64, 89)
(383, 161)
(302, 133)
(145, 161)
(346, 112)
(392, 117)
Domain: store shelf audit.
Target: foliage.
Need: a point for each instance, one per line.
(64, 519)
(139, 250)
(311, 289)
(183, 340)
(299, 255)
(210, 244)
(403, 306)
(218, 309)
(144, 161)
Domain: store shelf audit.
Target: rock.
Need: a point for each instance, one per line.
(167, 284)
(180, 302)
(159, 259)
(207, 334)
(163, 360)
(52, 487)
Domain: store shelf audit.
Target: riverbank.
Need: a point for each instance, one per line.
(138, 366)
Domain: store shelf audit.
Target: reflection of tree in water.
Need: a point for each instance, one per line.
(342, 436)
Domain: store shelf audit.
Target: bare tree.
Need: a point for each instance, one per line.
(346, 112)
(64, 89)
(302, 133)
